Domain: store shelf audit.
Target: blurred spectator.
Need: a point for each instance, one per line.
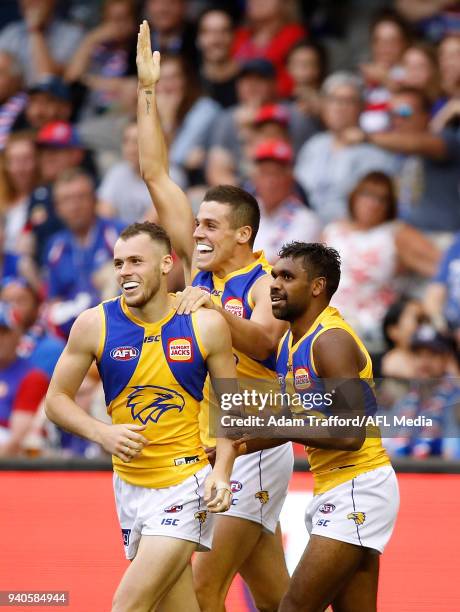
(12, 99)
(420, 71)
(371, 256)
(37, 345)
(18, 178)
(326, 167)
(42, 43)
(23, 387)
(186, 116)
(390, 37)
(227, 163)
(307, 67)
(399, 325)
(428, 166)
(433, 395)
(171, 32)
(449, 64)
(218, 68)
(48, 100)
(269, 35)
(12, 264)
(432, 19)
(442, 297)
(284, 217)
(78, 255)
(105, 56)
(59, 149)
(122, 193)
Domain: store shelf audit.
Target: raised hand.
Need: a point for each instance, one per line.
(148, 64)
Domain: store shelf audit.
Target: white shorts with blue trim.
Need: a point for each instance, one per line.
(361, 511)
(176, 512)
(259, 485)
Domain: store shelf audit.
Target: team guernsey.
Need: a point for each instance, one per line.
(259, 480)
(296, 370)
(356, 495)
(153, 374)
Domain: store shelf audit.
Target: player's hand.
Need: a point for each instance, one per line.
(148, 64)
(192, 298)
(123, 441)
(217, 493)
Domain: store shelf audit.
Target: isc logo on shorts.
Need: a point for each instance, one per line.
(302, 378)
(235, 307)
(124, 353)
(180, 349)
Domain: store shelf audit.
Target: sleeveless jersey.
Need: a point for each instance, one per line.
(153, 374)
(233, 294)
(296, 372)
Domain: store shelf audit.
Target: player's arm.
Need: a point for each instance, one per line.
(172, 206)
(221, 366)
(124, 441)
(256, 337)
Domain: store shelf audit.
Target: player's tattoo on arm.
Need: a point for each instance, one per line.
(148, 92)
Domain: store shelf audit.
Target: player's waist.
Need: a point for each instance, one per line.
(145, 471)
(331, 468)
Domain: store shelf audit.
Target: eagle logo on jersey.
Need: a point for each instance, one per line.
(262, 496)
(202, 515)
(358, 517)
(149, 402)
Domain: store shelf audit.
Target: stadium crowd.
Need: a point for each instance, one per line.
(343, 119)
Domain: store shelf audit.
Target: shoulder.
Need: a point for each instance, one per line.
(336, 353)
(212, 328)
(261, 287)
(86, 330)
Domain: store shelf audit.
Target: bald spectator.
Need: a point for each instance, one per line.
(327, 168)
(12, 98)
(77, 255)
(42, 43)
(283, 216)
(218, 68)
(23, 386)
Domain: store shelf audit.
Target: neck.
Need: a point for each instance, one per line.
(156, 309)
(300, 326)
(240, 259)
(220, 71)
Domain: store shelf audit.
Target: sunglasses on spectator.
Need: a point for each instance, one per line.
(403, 110)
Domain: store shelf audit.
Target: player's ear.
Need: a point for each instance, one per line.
(318, 286)
(243, 234)
(167, 264)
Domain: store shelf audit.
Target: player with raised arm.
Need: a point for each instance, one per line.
(229, 277)
(153, 364)
(356, 498)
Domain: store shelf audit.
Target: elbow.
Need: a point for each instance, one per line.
(264, 349)
(352, 443)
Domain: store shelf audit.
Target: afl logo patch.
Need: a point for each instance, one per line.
(302, 379)
(235, 307)
(235, 486)
(124, 353)
(180, 349)
(327, 508)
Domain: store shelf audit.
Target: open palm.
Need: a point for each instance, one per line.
(148, 64)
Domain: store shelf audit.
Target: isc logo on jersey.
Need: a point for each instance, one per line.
(302, 379)
(180, 349)
(234, 306)
(124, 353)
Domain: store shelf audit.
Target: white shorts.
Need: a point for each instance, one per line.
(259, 485)
(176, 512)
(361, 511)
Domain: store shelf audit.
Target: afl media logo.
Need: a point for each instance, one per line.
(124, 353)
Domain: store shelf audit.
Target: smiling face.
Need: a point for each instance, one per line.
(293, 289)
(215, 235)
(141, 265)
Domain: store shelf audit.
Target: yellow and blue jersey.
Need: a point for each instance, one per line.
(297, 374)
(233, 294)
(153, 374)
